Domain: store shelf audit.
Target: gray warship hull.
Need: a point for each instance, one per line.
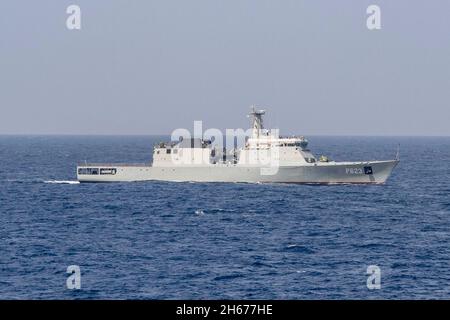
(369, 172)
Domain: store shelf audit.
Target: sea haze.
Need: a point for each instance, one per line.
(162, 240)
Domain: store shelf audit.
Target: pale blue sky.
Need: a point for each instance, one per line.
(148, 67)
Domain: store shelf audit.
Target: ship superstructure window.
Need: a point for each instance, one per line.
(88, 171)
(168, 151)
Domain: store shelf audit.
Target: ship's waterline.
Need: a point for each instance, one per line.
(265, 158)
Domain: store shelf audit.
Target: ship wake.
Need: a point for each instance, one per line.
(62, 181)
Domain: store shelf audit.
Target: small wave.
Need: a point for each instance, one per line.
(62, 181)
(374, 245)
(298, 248)
(261, 264)
(23, 180)
(228, 277)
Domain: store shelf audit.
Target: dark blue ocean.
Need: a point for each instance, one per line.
(161, 240)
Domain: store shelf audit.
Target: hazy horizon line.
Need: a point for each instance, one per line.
(168, 135)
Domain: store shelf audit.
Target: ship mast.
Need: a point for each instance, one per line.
(257, 121)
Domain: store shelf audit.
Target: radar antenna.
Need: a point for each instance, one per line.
(257, 125)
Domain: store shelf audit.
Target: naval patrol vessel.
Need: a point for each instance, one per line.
(265, 158)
